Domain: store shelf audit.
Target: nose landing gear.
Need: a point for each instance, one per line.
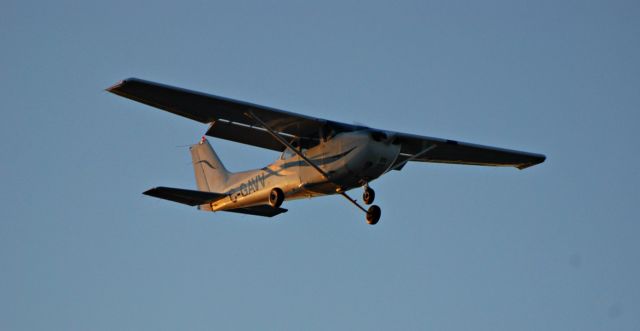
(368, 195)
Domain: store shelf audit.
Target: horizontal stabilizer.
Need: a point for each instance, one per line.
(263, 210)
(187, 197)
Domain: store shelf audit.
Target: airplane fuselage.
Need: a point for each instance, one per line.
(350, 159)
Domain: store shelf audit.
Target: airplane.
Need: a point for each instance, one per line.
(318, 156)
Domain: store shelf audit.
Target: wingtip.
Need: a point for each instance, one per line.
(115, 87)
(151, 190)
(539, 159)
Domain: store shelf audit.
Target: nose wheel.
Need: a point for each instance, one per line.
(368, 195)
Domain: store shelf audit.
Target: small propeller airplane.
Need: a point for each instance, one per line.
(318, 157)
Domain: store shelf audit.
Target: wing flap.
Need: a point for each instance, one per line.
(254, 136)
(244, 134)
(187, 197)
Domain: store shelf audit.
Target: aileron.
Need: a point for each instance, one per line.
(455, 152)
(206, 108)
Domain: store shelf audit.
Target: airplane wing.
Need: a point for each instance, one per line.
(451, 151)
(226, 116)
(227, 120)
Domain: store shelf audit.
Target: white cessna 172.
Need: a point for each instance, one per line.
(319, 157)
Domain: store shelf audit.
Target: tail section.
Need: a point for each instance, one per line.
(211, 175)
(212, 179)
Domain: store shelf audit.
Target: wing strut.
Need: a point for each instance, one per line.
(413, 157)
(277, 137)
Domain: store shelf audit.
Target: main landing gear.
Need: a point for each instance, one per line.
(276, 197)
(373, 213)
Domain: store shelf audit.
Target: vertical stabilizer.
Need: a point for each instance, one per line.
(211, 175)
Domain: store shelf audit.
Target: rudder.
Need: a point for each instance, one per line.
(211, 175)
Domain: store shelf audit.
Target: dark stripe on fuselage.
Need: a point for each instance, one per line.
(252, 185)
(256, 183)
(318, 160)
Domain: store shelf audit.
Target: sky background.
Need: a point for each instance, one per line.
(553, 247)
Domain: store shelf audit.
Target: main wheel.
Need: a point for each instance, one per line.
(373, 214)
(368, 195)
(276, 197)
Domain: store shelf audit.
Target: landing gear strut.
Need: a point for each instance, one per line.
(373, 214)
(368, 195)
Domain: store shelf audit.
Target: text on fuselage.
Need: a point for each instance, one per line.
(252, 185)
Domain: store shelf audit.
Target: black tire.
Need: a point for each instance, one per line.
(373, 214)
(368, 195)
(276, 197)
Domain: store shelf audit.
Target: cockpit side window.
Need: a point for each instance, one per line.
(287, 154)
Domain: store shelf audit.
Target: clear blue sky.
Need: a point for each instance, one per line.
(554, 247)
